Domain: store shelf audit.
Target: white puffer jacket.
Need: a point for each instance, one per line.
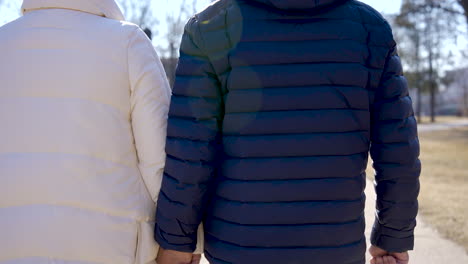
(83, 109)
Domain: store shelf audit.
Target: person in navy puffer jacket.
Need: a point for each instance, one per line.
(275, 109)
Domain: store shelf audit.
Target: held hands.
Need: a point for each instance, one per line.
(380, 256)
(175, 257)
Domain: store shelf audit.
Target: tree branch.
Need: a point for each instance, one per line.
(426, 8)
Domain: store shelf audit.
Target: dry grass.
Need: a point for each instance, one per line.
(442, 119)
(444, 182)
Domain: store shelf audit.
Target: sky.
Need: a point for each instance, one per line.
(385, 6)
(9, 10)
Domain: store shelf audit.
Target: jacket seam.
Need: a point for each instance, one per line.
(130, 39)
(76, 154)
(354, 243)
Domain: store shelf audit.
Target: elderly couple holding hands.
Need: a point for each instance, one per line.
(257, 155)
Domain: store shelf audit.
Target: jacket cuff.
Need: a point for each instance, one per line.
(392, 240)
(176, 243)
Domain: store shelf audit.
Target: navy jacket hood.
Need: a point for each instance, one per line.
(299, 4)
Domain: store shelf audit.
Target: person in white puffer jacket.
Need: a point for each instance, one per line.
(83, 112)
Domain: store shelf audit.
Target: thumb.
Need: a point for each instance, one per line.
(377, 252)
(402, 257)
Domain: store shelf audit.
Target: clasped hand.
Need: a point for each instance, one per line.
(175, 257)
(380, 256)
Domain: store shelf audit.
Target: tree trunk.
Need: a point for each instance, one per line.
(419, 104)
(418, 79)
(432, 88)
(430, 48)
(465, 99)
(172, 62)
(464, 4)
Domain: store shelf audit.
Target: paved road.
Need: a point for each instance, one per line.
(431, 247)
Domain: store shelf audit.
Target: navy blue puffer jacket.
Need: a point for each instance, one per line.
(276, 107)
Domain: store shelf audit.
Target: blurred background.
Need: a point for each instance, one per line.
(433, 42)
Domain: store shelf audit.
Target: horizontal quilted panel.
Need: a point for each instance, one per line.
(276, 111)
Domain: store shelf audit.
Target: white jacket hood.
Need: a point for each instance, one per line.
(104, 8)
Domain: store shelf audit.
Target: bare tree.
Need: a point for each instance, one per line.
(175, 29)
(410, 38)
(9, 10)
(431, 24)
(464, 5)
(465, 97)
(461, 82)
(139, 12)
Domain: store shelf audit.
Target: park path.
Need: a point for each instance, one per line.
(430, 246)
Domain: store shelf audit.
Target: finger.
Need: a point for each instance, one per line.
(196, 259)
(379, 260)
(401, 256)
(402, 262)
(376, 251)
(389, 260)
(385, 259)
(372, 261)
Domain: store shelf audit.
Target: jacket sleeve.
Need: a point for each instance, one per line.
(150, 98)
(192, 145)
(395, 152)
